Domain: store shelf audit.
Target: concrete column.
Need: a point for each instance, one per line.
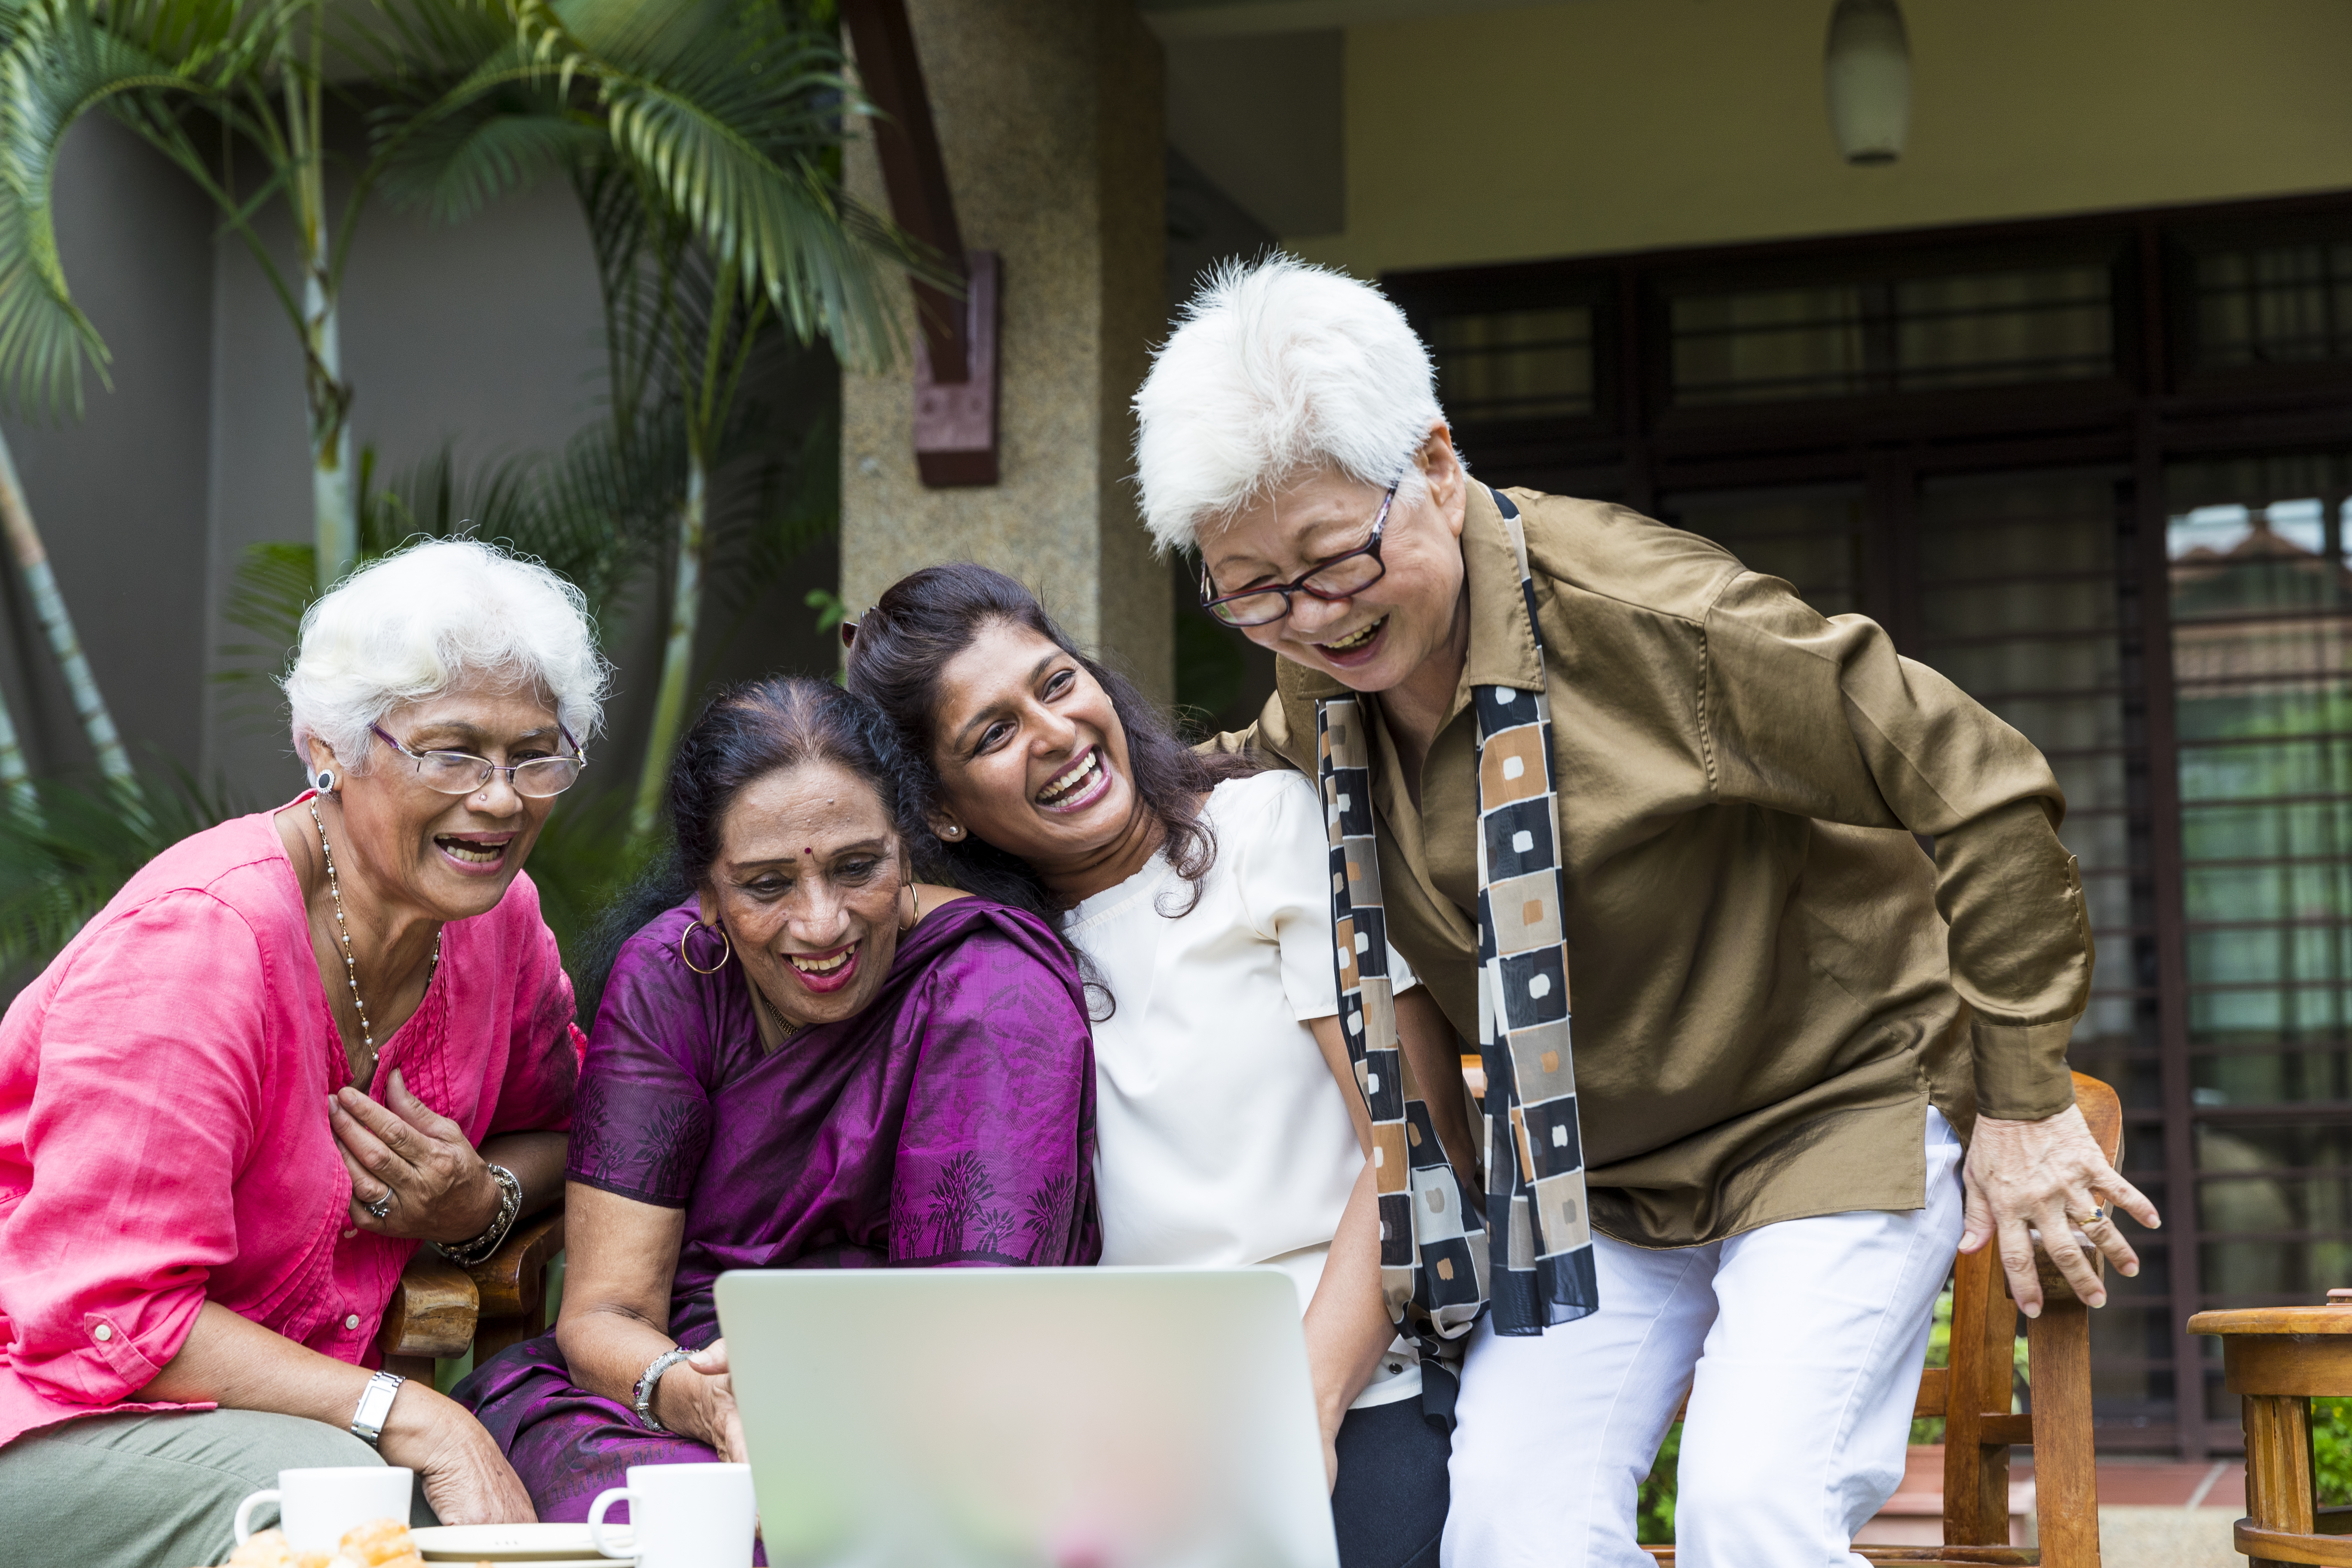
(1049, 115)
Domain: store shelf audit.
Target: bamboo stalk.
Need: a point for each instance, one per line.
(15, 779)
(334, 505)
(677, 653)
(49, 606)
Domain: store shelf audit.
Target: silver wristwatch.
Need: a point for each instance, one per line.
(375, 1404)
(650, 1380)
(465, 1254)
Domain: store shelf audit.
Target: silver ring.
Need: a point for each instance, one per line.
(381, 1208)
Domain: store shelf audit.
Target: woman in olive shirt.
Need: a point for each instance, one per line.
(1787, 1018)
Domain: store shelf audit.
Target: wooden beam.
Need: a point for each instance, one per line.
(956, 378)
(913, 172)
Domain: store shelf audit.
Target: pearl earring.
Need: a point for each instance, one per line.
(952, 831)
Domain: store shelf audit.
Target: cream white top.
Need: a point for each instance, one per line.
(1222, 1138)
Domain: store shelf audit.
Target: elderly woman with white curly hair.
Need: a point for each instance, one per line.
(293, 1048)
(1572, 755)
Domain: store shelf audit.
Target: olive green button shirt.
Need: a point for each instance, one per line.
(1771, 980)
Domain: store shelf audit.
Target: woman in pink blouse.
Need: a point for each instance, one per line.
(295, 1046)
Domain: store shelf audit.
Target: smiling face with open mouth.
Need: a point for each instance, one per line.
(1033, 757)
(806, 884)
(449, 855)
(1409, 621)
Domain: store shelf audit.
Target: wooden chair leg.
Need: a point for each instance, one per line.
(1976, 1471)
(2065, 1468)
(2278, 1466)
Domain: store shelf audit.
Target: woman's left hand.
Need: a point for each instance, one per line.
(439, 1187)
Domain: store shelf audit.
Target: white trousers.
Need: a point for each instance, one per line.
(1801, 1343)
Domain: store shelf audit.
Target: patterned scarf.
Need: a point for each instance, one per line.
(1536, 1267)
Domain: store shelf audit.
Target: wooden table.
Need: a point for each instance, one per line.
(2277, 1357)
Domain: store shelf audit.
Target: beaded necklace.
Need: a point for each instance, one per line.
(351, 966)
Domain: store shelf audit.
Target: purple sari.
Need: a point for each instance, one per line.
(951, 1122)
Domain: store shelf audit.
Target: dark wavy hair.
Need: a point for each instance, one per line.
(745, 733)
(928, 617)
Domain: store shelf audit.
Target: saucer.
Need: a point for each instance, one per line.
(541, 1545)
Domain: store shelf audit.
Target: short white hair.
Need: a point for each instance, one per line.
(1277, 370)
(428, 617)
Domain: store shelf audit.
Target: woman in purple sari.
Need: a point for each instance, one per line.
(806, 1061)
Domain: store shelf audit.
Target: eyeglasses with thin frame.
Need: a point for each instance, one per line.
(1340, 577)
(462, 773)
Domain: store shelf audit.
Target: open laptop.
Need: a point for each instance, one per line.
(1028, 1417)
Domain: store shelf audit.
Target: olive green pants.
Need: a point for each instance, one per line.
(154, 1491)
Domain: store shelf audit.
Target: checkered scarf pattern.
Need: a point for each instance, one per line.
(1536, 1267)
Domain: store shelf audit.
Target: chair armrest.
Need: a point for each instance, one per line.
(2103, 1113)
(513, 1281)
(432, 1311)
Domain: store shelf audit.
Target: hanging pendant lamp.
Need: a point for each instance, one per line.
(1867, 71)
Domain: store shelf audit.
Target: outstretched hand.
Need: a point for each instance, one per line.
(2048, 1176)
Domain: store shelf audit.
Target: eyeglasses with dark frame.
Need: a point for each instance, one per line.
(462, 773)
(1340, 577)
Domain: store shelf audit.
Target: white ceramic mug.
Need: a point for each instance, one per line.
(316, 1506)
(682, 1516)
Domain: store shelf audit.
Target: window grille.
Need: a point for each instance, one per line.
(1515, 364)
(2275, 305)
(1919, 334)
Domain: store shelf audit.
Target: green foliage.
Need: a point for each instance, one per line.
(1654, 1515)
(2331, 1450)
(148, 63)
(585, 857)
(63, 858)
(591, 512)
(830, 610)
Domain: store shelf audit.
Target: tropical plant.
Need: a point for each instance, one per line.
(205, 82)
(702, 137)
(68, 850)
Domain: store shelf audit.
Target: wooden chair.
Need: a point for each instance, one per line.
(1973, 1396)
(441, 1311)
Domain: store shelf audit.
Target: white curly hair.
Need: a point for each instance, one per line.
(428, 617)
(1278, 369)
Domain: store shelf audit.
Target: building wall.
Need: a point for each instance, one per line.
(1608, 125)
(120, 495)
(1049, 125)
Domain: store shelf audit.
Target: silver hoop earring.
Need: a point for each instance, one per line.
(325, 780)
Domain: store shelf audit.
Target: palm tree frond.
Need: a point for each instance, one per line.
(63, 858)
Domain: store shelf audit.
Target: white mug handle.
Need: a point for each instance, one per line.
(604, 1500)
(244, 1511)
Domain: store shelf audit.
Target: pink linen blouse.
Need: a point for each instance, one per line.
(163, 1134)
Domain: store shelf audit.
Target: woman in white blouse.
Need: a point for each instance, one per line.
(1195, 892)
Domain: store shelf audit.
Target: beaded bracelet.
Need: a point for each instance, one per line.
(465, 1254)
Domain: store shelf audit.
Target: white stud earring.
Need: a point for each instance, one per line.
(952, 831)
(326, 781)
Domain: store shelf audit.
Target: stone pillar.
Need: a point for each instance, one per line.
(1049, 116)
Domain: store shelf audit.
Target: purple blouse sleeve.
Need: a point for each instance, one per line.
(642, 1122)
(996, 1159)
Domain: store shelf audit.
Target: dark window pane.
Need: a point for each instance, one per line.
(1515, 364)
(1924, 334)
(2276, 305)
